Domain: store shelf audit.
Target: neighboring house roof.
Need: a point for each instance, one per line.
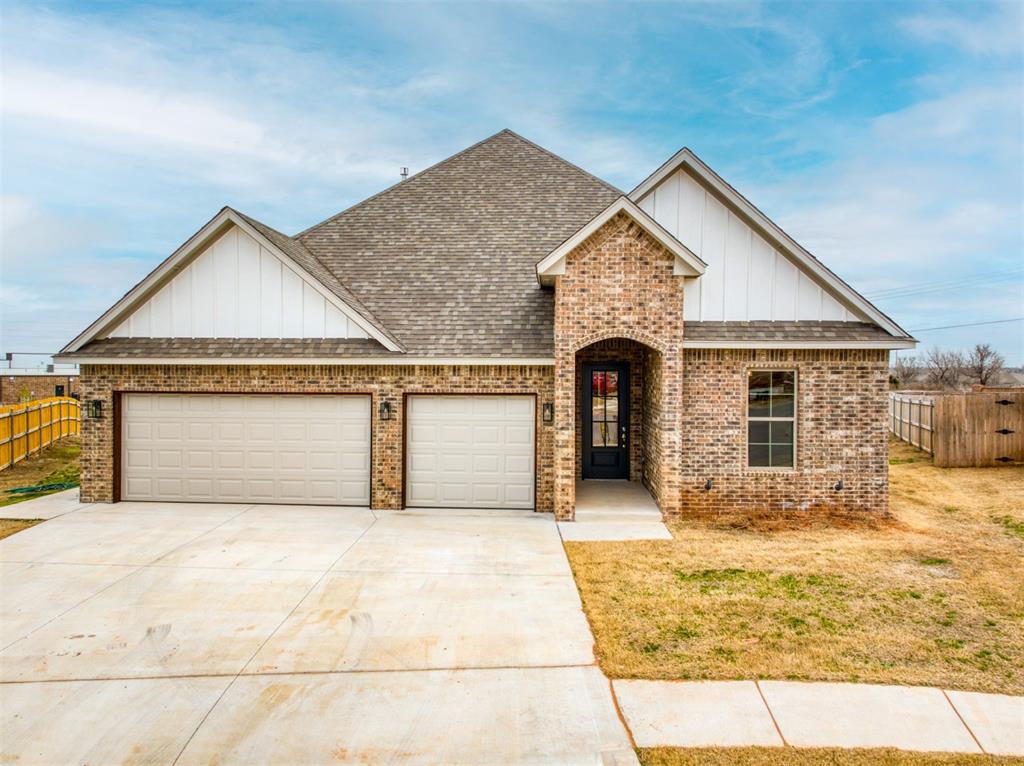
(446, 259)
(687, 263)
(766, 334)
(689, 161)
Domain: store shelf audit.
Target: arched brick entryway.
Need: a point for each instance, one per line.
(619, 292)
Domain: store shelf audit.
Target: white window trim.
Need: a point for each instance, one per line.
(794, 420)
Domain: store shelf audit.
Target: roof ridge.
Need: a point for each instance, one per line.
(445, 161)
(395, 185)
(564, 161)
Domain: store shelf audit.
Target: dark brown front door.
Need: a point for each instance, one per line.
(606, 421)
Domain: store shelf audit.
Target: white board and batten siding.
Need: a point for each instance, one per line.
(246, 448)
(746, 279)
(237, 288)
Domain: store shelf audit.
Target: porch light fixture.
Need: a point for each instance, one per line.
(94, 409)
(838, 486)
(547, 413)
(384, 410)
(708, 485)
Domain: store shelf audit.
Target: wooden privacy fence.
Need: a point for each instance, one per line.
(978, 428)
(27, 428)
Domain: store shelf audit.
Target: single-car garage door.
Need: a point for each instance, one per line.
(246, 448)
(470, 452)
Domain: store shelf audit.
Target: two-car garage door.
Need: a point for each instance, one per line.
(465, 451)
(246, 448)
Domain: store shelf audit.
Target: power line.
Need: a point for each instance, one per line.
(969, 324)
(946, 281)
(975, 281)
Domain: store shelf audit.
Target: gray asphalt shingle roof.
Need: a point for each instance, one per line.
(447, 259)
(784, 331)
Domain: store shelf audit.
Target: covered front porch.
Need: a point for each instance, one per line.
(622, 419)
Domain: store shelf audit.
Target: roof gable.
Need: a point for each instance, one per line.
(747, 252)
(687, 263)
(203, 290)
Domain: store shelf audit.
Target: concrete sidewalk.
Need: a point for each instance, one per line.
(779, 713)
(45, 507)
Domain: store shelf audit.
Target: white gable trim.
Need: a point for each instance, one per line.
(686, 264)
(685, 158)
(181, 257)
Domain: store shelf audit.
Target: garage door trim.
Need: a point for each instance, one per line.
(405, 434)
(117, 421)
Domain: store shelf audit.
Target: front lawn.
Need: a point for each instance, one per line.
(933, 596)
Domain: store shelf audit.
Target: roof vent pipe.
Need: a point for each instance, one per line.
(405, 173)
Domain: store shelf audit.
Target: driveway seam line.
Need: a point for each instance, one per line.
(135, 570)
(775, 723)
(969, 730)
(265, 641)
(257, 674)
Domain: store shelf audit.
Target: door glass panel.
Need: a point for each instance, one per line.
(604, 408)
(611, 407)
(605, 434)
(597, 387)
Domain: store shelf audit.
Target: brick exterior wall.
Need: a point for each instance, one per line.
(619, 284)
(841, 427)
(384, 382)
(14, 387)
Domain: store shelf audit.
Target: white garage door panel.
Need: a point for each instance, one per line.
(247, 448)
(470, 452)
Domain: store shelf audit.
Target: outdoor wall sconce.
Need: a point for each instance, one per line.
(708, 485)
(547, 413)
(94, 409)
(384, 410)
(838, 487)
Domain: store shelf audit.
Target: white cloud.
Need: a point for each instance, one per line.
(999, 33)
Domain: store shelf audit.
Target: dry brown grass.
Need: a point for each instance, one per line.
(933, 596)
(788, 756)
(9, 526)
(56, 463)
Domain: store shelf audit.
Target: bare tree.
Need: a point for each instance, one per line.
(984, 364)
(905, 369)
(943, 368)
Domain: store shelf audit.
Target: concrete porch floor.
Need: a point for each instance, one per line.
(614, 510)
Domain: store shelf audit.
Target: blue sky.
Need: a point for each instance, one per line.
(886, 137)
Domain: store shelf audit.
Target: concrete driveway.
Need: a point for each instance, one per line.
(204, 633)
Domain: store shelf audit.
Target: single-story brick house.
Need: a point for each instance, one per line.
(486, 334)
(21, 386)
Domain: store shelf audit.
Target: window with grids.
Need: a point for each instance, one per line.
(771, 419)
